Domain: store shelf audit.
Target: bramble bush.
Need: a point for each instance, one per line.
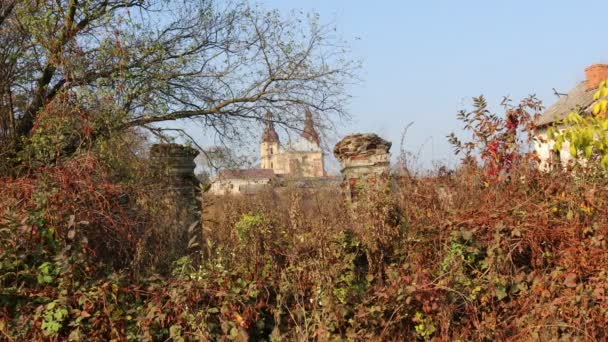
(501, 141)
(454, 256)
(520, 259)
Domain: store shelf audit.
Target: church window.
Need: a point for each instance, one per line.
(271, 150)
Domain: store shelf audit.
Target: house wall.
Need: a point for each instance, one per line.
(280, 165)
(236, 186)
(300, 164)
(543, 146)
(292, 163)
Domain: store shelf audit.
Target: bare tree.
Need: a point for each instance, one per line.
(137, 63)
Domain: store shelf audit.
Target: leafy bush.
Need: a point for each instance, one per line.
(523, 258)
(516, 254)
(586, 135)
(500, 141)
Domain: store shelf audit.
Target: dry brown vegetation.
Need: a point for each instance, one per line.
(92, 248)
(445, 257)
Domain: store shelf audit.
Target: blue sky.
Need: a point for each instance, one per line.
(424, 60)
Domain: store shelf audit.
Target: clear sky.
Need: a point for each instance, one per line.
(424, 60)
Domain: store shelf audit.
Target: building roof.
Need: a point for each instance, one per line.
(578, 97)
(246, 174)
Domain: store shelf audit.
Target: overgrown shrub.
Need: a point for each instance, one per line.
(89, 250)
(521, 259)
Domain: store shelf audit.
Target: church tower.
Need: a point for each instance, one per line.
(312, 162)
(269, 147)
(309, 133)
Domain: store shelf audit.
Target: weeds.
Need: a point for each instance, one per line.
(523, 258)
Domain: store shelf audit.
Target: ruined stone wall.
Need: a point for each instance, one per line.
(176, 163)
(178, 192)
(238, 186)
(364, 158)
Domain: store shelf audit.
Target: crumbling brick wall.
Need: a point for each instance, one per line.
(365, 158)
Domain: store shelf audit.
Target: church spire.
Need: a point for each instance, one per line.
(309, 132)
(270, 135)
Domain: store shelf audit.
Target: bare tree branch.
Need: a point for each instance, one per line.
(222, 65)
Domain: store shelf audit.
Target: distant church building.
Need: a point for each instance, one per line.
(300, 159)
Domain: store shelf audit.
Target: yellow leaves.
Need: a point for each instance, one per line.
(586, 209)
(588, 151)
(596, 109)
(574, 118)
(586, 136)
(559, 142)
(604, 161)
(238, 318)
(602, 92)
(589, 137)
(551, 133)
(600, 107)
(573, 151)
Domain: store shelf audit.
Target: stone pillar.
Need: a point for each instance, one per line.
(364, 158)
(179, 191)
(176, 163)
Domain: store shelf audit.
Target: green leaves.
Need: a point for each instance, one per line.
(53, 319)
(425, 327)
(249, 222)
(500, 292)
(46, 273)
